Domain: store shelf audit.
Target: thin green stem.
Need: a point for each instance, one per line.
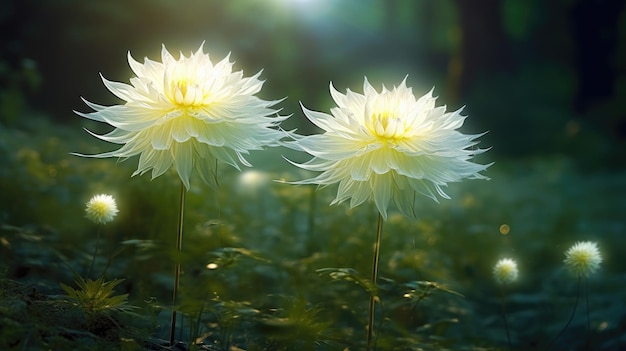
(93, 259)
(570, 317)
(110, 260)
(312, 213)
(179, 249)
(370, 325)
(503, 307)
(587, 342)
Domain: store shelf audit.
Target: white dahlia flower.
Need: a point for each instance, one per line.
(583, 258)
(101, 209)
(388, 146)
(505, 271)
(187, 113)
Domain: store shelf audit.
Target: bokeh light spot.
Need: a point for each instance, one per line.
(505, 229)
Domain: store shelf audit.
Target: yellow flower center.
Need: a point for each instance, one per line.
(387, 125)
(581, 258)
(505, 271)
(185, 87)
(187, 93)
(100, 209)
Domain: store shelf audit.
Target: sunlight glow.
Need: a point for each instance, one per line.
(299, 2)
(304, 8)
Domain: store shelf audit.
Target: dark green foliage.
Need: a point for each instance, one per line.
(33, 321)
(256, 262)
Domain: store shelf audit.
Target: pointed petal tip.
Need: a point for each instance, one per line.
(83, 155)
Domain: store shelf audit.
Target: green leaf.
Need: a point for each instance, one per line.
(349, 275)
(96, 296)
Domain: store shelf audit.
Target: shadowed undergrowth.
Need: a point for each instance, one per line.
(270, 266)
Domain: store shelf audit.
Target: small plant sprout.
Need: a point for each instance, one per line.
(505, 272)
(96, 296)
(100, 209)
(581, 260)
(96, 299)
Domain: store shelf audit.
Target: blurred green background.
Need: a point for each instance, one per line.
(540, 77)
(546, 79)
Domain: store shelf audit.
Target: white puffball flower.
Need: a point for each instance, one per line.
(583, 258)
(505, 271)
(101, 209)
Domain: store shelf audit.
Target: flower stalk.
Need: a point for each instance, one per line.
(571, 317)
(505, 272)
(179, 249)
(370, 324)
(95, 253)
(100, 209)
(504, 319)
(582, 260)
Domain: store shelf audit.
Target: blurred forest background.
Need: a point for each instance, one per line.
(546, 79)
(541, 77)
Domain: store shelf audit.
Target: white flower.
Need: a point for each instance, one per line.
(387, 146)
(505, 271)
(583, 258)
(101, 209)
(187, 113)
